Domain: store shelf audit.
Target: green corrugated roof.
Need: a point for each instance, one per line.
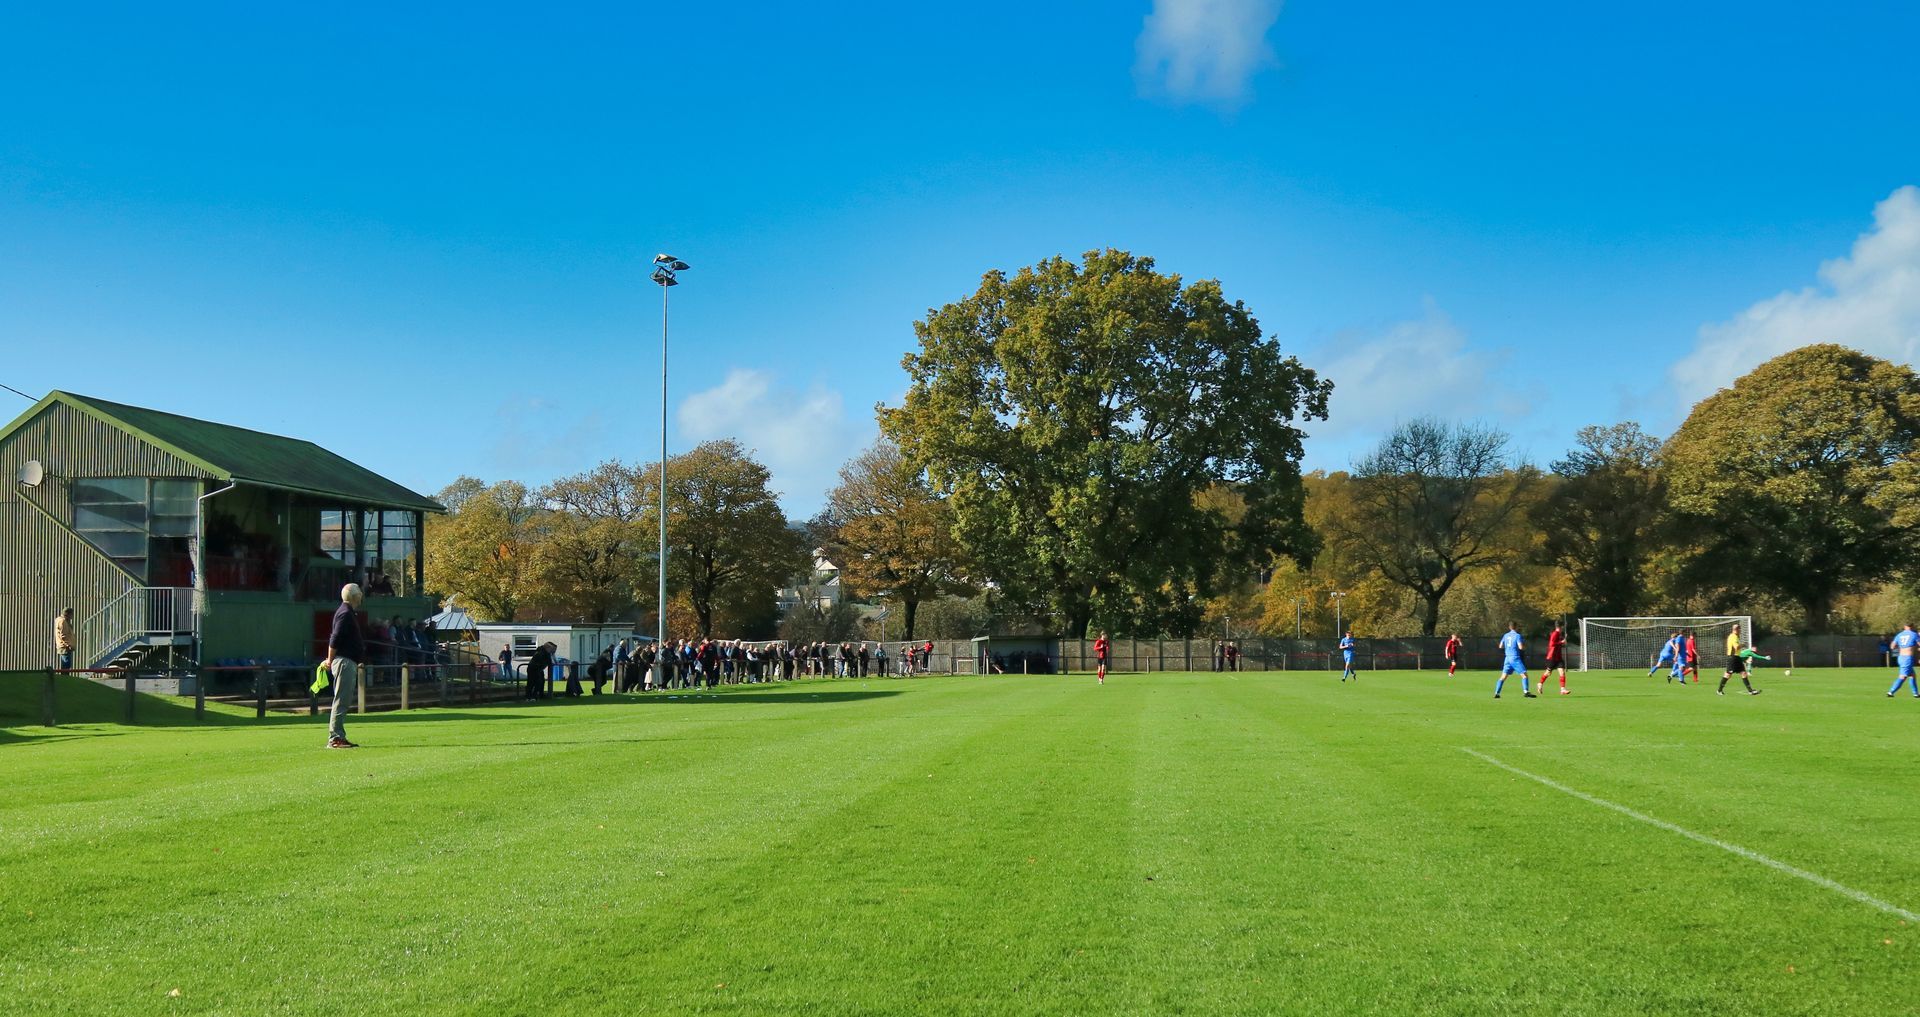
(254, 457)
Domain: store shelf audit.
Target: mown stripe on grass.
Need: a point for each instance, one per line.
(1754, 856)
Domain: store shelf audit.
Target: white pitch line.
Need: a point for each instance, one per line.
(1755, 856)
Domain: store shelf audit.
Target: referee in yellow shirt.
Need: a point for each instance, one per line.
(1735, 665)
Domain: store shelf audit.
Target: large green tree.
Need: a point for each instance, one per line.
(730, 547)
(1074, 412)
(1800, 481)
(1603, 520)
(1432, 503)
(891, 534)
(593, 552)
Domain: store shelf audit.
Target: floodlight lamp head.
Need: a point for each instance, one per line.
(664, 277)
(679, 266)
(662, 259)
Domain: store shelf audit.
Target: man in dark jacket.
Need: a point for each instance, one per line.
(346, 648)
(539, 670)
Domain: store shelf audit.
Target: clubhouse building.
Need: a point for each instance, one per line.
(183, 537)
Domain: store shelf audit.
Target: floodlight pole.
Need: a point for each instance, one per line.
(665, 272)
(1338, 629)
(660, 621)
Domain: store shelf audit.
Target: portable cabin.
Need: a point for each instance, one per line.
(571, 641)
(167, 532)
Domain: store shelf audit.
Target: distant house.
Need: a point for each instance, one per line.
(163, 531)
(820, 587)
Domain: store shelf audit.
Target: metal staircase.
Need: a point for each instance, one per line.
(135, 624)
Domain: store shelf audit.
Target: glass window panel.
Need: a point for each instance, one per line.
(174, 497)
(110, 517)
(119, 544)
(173, 526)
(108, 490)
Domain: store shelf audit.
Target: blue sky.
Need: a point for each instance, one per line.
(439, 219)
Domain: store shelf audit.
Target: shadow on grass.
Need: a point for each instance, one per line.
(80, 702)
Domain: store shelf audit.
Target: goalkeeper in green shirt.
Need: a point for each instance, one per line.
(1745, 657)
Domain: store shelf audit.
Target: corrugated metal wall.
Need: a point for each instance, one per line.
(43, 565)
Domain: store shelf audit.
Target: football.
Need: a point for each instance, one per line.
(1788, 673)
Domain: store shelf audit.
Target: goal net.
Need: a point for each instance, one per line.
(1609, 644)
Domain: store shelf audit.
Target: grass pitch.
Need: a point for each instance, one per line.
(1251, 843)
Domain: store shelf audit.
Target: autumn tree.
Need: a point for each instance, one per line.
(890, 533)
(482, 550)
(1433, 502)
(593, 552)
(1604, 518)
(1072, 412)
(730, 547)
(1801, 481)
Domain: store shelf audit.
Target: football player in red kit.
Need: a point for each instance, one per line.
(1453, 653)
(1556, 658)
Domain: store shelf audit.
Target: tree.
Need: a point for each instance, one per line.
(593, 551)
(1801, 480)
(892, 536)
(482, 551)
(1432, 503)
(729, 546)
(1072, 413)
(1603, 520)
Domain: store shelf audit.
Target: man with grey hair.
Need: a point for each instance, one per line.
(345, 650)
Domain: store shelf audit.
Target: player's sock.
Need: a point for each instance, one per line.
(1723, 683)
(1498, 683)
(1748, 684)
(1897, 682)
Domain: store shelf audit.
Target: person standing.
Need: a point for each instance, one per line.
(1513, 660)
(345, 650)
(506, 663)
(63, 638)
(1346, 656)
(1690, 652)
(1556, 658)
(1904, 647)
(1453, 653)
(866, 657)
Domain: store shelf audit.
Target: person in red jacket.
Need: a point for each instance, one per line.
(1692, 651)
(1100, 646)
(1453, 653)
(1556, 658)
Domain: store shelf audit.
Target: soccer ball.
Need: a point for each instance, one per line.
(1788, 673)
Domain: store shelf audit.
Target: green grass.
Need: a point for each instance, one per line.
(1247, 844)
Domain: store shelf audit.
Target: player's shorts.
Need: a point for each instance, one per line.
(1666, 656)
(1556, 660)
(1906, 665)
(1736, 665)
(1514, 665)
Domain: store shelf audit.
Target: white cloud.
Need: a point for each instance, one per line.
(1205, 51)
(1869, 300)
(1409, 369)
(801, 436)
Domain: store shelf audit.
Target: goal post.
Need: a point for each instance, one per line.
(1611, 644)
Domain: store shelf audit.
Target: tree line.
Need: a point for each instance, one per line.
(1097, 445)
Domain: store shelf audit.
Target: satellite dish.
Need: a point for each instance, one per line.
(32, 473)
